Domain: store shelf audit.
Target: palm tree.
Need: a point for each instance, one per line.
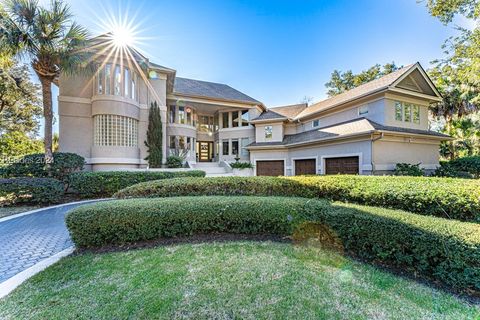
(50, 40)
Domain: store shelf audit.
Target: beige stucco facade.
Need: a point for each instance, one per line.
(104, 118)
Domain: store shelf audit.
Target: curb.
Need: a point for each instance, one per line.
(18, 215)
(11, 284)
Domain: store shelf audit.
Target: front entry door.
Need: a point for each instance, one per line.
(204, 151)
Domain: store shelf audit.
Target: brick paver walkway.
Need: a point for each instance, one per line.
(27, 240)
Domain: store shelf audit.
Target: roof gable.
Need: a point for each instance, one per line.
(412, 78)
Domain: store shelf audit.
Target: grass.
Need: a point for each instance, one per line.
(248, 280)
(11, 210)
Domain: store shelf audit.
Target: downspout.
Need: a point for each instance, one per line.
(371, 151)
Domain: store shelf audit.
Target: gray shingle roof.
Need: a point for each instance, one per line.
(283, 112)
(357, 92)
(210, 90)
(351, 127)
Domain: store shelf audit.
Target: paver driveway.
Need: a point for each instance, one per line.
(29, 239)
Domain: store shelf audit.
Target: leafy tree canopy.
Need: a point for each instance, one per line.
(344, 81)
(445, 10)
(20, 102)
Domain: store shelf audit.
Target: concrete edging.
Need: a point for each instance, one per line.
(11, 284)
(55, 206)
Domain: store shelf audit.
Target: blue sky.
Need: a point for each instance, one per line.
(275, 51)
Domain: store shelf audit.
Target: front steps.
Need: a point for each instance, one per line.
(212, 169)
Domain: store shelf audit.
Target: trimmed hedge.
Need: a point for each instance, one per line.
(31, 190)
(444, 250)
(106, 183)
(443, 197)
(33, 165)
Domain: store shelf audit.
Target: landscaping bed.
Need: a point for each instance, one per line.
(242, 280)
(442, 250)
(443, 197)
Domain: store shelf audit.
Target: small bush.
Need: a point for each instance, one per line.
(444, 250)
(406, 169)
(174, 162)
(466, 167)
(241, 165)
(442, 197)
(30, 190)
(106, 183)
(33, 165)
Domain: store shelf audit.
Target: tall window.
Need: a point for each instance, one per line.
(171, 114)
(407, 112)
(181, 115)
(172, 142)
(225, 148)
(245, 118)
(416, 114)
(235, 119)
(215, 122)
(127, 83)
(115, 130)
(117, 81)
(108, 78)
(245, 143)
(225, 122)
(188, 110)
(268, 132)
(100, 80)
(398, 111)
(133, 87)
(235, 147)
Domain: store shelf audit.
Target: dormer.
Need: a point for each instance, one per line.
(274, 123)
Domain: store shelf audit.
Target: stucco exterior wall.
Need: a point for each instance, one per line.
(387, 153)
(362, 149)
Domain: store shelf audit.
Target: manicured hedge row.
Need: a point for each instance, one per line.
(31, 190)
(106, 183)
(444, 197)
(445, 250)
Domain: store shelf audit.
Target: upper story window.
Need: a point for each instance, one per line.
(245, 118)
(363, 110)
(181, 115)
(116, 80)
(268, 132)
(225, 121)
(235, 119)
(407, 112)
(108, 78)
(316, 123)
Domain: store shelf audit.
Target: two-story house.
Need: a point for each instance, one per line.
(365, 130)
(103, 117)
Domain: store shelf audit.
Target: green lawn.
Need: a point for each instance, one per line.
(247, 280)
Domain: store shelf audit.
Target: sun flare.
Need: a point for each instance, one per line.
(122, 36)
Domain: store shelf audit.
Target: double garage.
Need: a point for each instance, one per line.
(335, 165)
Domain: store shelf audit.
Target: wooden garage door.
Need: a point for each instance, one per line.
(344, 165)
(305, 166)
(270, 168)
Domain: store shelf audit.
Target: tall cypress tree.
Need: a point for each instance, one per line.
(154, 137)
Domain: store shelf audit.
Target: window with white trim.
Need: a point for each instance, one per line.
(407, 112)
(115, 130)
(362, 110)
(245, 142)
(268, 132)
(316, 123)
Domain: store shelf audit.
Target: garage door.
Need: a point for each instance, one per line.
(344, 165)
(270, 168)
(305, 166)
